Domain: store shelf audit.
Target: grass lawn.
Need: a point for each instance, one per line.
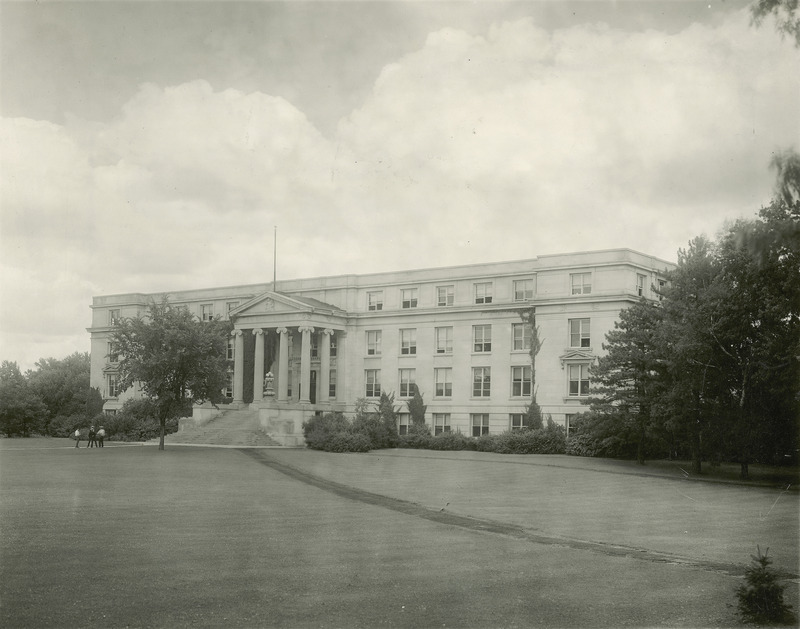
(128, 536)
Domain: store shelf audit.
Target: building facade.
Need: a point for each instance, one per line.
(315, 345)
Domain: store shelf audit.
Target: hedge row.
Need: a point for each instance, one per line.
(333, 432)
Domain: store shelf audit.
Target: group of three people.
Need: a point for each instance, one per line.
(95, 438)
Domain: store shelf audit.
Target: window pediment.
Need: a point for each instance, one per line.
(575, 355)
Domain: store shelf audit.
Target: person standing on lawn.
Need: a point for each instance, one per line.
(92, 437)
(77, 437)
(101, 434)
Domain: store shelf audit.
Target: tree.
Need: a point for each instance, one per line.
(417, 408)
(22, 412)
(787, 21)
(757, 331)
(761, 598)
(94, 402)
(63, 385)
(786, 165)
(533, 419)
(380, 427)
(690, 366)
(625, 380)
(176, 359)
(388, 414)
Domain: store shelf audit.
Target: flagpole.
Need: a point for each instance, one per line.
(274, 258)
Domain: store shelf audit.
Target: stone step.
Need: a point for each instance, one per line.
(233, 427)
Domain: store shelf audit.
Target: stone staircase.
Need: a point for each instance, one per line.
(232, 428)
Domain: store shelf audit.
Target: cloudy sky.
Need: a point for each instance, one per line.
(154, 146)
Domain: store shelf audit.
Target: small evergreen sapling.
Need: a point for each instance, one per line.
(761, 599)
(417, 407)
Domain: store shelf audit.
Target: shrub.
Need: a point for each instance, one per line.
(550, 440)
(372, 427)
(583, 445)
(761, 599)
(419, 436)
(137, 420)
(320, 429)
(451, 441)
(63, 426)
(534, 419)
(379, 427)
(595, 435)
(347, 442)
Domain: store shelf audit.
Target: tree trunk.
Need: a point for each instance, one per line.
(640, 448)
(696, 455)
(745, 472)
(162, 420)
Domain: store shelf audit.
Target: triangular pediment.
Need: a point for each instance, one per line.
(577, 355)
(278, 303)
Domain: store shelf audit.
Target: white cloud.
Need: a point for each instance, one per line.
(472, 148)
(570, 134)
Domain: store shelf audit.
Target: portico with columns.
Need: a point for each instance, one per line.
(285, 352)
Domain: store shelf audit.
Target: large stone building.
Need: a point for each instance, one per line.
(315, 345)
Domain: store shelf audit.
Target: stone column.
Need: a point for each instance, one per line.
(283, 364)
(238, 366)
(325, 365)
(341, 341)
(305, 364)
(258, 371)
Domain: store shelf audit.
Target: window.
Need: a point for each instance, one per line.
(232, 305)
(404, 422)
(481, 381)
(444, 340)
(483, 293)
(334, 346)
(112, 385)
(113, 355)
(443, 380)
(207, 312)
(228, 390)
(441, 423)
(314, 345)
(113, 317)
(231, 349)
(373, 342)
(332, 385)
(640, 285)
(480, 424)
(408, 342)
(445, 295)
(407, 379)
(375, 300)
(569, 423)
(581, 283)
(481, 338)
(289, 384)
(409, 298)
(517, 421)
(521, 336)
(520, 381)
(579, 333)
(578, 380)
(110, 411)
(523, 290)
(373, 381)
(662, 285)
